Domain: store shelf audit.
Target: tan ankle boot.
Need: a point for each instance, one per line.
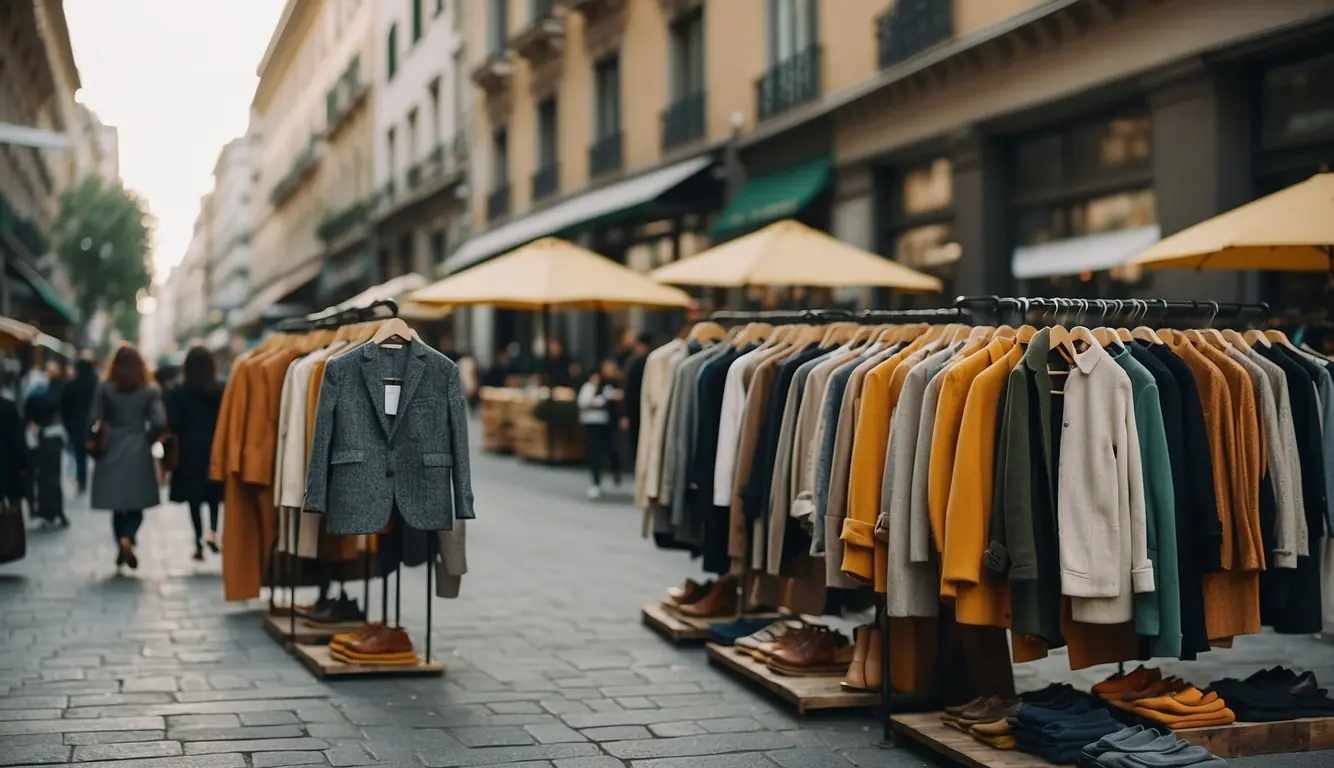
(875, 658)
(856, 677)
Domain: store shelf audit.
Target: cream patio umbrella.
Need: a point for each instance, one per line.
(551, 273)
(790, 253)
(1291, 230)
(398, 289)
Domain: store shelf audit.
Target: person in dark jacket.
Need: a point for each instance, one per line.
(634, 387)
(75, 405)
(192, 417)
(13, 455)
(41, 409)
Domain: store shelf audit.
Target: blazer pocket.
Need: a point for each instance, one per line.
(347, 457)
(437, 460)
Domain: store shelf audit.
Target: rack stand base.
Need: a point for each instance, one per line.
(805, 693)
(683, 629)
(306, 632)
(316, 658)
(958, 747)
(1251, 739)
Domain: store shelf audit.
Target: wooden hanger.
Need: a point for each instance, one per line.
(707, 331)
(863, 335)
(1107, 337)
(980, 335)
(1025, 333)
(393, 328)
(808, 335)
(1257, 338)
(752, 332)
(1005, 332)
(1082, 335)
(1235, 339)
(1279, 337)
(960, 334)
(1146, 334)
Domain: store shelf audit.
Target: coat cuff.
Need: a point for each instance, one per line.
(803, 508)
(996, 560)
(1283, 558)
(1085, 585)
(858, 550)
(881, 531)
(1141, 578)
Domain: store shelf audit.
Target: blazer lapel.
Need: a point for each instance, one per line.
(370, 373)
(413, 377)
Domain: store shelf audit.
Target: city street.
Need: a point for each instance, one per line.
(546, 661)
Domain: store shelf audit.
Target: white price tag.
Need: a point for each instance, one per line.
(391, 393)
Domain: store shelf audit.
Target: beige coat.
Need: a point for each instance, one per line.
(659, 368)
(1100, 508)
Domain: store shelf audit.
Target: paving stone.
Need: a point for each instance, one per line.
(650, 716)
(603, 705)
(276, 759)
(564, 707)
(200, 761)
(112, 737)
(502, 755)
(12, 715)
(254, 745)
(334, 731)
(748, 760)
(32, 740)
(590, 762)
(515, 708)
(347, 754)
(269, 717)
(196, 722)
(554, 734)
(808, 757)
(635, 702)
(73, 726)
(116, 699)
(493, 736)
(617, 733)
(36, 754)
(34, 702)
(680, 728)
(731, 725)
(150, 685)
(698, 745)
(239, 733)
(126, 751)
(663, 689)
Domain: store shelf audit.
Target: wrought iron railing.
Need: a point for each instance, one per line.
(498, 202)
(683, 121)
(789, 84)
(912, 26)
(546, 181)
(606, 155)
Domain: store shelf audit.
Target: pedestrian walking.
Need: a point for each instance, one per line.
(192, 417)
(41, 409)
(634, 387)
(130, 411)
(599, 401)
(74, 409)
(13, 455)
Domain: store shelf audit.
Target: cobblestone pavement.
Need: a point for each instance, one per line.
(546, 662)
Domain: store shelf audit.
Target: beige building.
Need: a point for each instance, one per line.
(311, 126)
(38, 128)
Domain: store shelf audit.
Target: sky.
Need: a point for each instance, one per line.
(176, 78)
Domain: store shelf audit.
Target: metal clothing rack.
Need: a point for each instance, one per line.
(1119, 311)
(329, 319)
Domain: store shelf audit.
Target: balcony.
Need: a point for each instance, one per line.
(606, 155)
(338, 223)
(789, 84)
(683, 122)
(540, 41)
(460, 147)
(414, 176)
(303, 167)
(911, 27)
(498, 202)
(591, 9)
(436, 160)
(546, 181)
(493, 74)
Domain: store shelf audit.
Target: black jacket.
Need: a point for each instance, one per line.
(192, 416)
(78, 400)
(634, 389)
(13, 453)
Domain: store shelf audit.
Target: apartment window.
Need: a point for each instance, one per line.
(540, 9)
(434, 91)
(1296, 105)
(391, 142)
(497, 26)
(687, 55)
(607, 85)
(437, 249)
(500, 158)
(912, 26)
(393, 50)
(416, 20)
(791, 28)
(461, 88)
(439, 7)
(546, 179)
(413, 146)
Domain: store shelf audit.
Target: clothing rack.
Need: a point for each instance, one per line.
(1115, 311)
(329, 319)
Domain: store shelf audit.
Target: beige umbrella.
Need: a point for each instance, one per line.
(1291, 230)
(17, 331)
(790, 253)
(551, 273)
(398, 289)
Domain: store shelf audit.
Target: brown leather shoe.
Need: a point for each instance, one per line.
(784, 637)
(954, 712)
(999, 709)
(387, 640)
(721, 600)
(687, 593)
(823, 652)
(875, 661)
(360, 633)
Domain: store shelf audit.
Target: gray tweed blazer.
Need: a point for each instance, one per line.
(364, 463)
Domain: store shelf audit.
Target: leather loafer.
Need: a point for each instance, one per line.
(387, 640)
(721, 600)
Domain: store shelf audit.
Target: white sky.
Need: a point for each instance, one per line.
(176, 77)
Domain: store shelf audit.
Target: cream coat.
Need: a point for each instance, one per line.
(658, 369)
(1100, 500)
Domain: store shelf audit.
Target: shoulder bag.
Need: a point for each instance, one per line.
(96, 444)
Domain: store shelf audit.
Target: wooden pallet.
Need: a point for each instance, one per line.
(307, 632)
(1250, 739)
(321, 664)
(957, 746)
(672, 625)
(805, 693)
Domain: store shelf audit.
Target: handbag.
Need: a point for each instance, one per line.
(171, 452)
(13, 533)
(96, 444)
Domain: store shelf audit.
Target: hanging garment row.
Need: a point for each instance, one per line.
(289, 410)
(1125, 493)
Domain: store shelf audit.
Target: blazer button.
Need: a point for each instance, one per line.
(389, 473)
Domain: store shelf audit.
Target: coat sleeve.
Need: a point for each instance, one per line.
(458, 427)
(157, 414)
(869, 442)
(321, 443)
(1131, 469)
(1012, 552)
(1160, 505)
(921, 533)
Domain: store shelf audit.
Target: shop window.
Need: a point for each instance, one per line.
(1297, 103)
(1105, 152)
(928, 188)
(1038, 224)
(918, 226)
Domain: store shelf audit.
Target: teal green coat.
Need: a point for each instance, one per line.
(1157, 613)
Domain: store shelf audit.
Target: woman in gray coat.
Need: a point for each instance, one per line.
(124, 478)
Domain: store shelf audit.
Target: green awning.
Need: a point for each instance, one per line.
(773, 196)
(44, 290)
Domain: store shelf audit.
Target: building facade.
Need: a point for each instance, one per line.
(312, 123)
(194, 289)
(38, 80)
(230, 231)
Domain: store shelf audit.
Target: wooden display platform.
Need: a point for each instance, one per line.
(805, 693)
(321, 664)
(307, 632)
(672, 625)
(957, 746)
(1251, 739)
